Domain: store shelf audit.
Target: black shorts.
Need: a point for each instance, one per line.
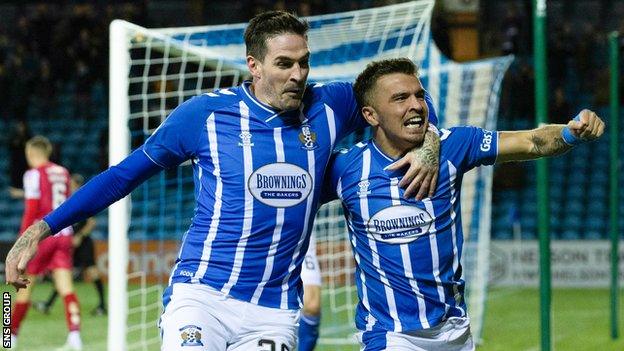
(84, 255)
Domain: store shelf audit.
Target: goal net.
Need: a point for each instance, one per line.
(154, 70)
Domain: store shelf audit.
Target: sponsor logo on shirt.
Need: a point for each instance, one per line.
(486, 143)
(280, 184)
(308, 138)
(399, 224)
(191, 335)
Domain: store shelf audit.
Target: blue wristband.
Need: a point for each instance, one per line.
(570, 138)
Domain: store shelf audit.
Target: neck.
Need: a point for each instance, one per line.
(390, 147)
(36, 163)
(258, 94)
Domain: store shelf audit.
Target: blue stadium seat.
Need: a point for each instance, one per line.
(529, 208)
(599, 178)
(570, 234)
(7, 236)
(503, 234)
(557, 177)
(574, 208)
(570, 222)
(594, 235)
(528, 222)
(555, 206)
(555, 223)
(598, 209)
(596, 223)
(528, 234)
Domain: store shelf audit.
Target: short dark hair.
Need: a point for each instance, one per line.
(365, 81)
(267, 25)
(41, 143)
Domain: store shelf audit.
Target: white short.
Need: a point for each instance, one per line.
(200, 318)
(451, 335)
(310, 271)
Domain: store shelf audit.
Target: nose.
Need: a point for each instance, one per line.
(298, 73)
(417, 104)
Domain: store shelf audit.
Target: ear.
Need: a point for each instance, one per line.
(370, 115)
(254, 67)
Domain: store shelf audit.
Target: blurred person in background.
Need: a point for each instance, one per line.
(84, 258)
(46, 187)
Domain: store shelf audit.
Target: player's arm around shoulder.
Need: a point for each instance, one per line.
(549, 140)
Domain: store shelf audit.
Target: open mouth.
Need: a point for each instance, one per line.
(414, 122)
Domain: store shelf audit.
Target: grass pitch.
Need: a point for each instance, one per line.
(580, 322)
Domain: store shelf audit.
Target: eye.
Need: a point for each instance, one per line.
(284, 64)
(304, 64)
(400, 98)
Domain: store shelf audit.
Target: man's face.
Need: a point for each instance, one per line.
(280, 77)
(399, 110)
(31, 155)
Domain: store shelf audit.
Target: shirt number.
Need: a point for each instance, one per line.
(58, 194)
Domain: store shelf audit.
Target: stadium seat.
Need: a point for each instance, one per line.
(598, 209)
(572, 222)
(596, 223)
(529, 208)
(555, 222)
(574, 208)
(7, 236)
(503, 234)
(570, 234)
(594, 235)
(528, 234)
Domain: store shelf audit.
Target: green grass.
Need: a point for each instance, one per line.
(580, 322)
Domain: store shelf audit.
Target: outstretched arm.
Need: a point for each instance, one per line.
(549, 140)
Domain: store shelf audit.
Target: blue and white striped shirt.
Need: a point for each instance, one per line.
(258, 178)
(408, 252)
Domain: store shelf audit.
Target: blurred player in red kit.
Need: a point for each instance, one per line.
(46, 186)
(84, 258)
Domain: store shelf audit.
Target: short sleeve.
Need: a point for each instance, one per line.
(32, 189)
(471, 146)
(177, 138)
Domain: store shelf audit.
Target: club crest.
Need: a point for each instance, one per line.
(308, 138)
(191, 335)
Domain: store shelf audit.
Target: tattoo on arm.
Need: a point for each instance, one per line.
(22, 242)
(35, 233)
(430, 150)
(548, 142)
